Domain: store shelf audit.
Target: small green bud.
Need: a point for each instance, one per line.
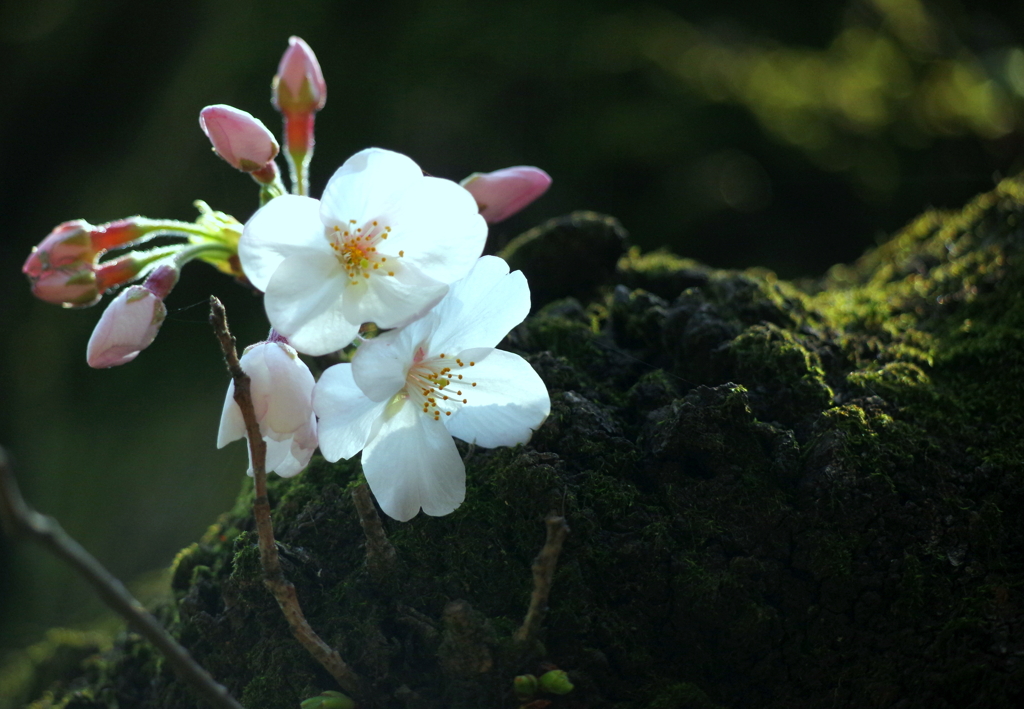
(525, 687)
(328, 700)
(556, 682)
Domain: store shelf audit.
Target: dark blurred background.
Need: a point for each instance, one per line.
(789, 135)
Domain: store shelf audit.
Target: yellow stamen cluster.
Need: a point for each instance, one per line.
(438, 385)
(356, 249)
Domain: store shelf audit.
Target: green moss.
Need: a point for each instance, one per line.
(768, 355)
(682, 695)
(778, 495)
(45, 666)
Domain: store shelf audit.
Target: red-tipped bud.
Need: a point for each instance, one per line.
(63, 269)
(502, 193)
(238, 137)
(299, 84)
(81, 284)
(131, 321)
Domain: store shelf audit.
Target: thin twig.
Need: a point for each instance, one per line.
(273, 577)
(381, 558)
(543, 572)
(21, 520)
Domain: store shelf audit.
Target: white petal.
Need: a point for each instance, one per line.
(509, 402)
(232, 425)
(482, 308)
(346, 414)
(413, 463)
(296, 460)
(392, 301)
(368, 186)
(439, 229)
(278, 453)
(275, 231)
(254, 363)
(304, 302)
(380, 365)
(291, 387)
(306, 437)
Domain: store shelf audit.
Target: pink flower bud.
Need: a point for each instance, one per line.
(72, 287)
(128, 326)
(299, 84)
(81, 284)
(131, 321)
(242, 140)
(502, 193)
(63, 268)
(67, 245)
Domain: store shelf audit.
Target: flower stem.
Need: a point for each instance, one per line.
(152, 228)
(269, 179)
(273, 577)
(298, 133)
(199, 249)
(20, 519)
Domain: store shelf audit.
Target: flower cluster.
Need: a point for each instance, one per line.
(386, 246)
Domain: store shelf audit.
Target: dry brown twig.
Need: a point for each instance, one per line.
(21, 520)
(543, 572)
(273, 576)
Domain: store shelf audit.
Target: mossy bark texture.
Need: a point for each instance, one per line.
(779, 495)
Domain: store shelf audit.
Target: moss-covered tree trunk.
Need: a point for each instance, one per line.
(779, 495)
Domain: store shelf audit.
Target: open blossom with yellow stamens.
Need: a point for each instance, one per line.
(408, 391)
(381, 246)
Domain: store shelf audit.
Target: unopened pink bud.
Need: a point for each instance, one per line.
(72, 287)
(128, 326)
(67, 245)
(299, 86)
(81, 284)
(238, 137)
(63, 268)
(502, 193)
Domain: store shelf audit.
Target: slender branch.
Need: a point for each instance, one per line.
(21, 520)
(381, 559)
(273, 577)
(543, 572)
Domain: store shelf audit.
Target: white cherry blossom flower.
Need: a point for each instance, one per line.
(282, 388)
(381, 246)
(408, 391)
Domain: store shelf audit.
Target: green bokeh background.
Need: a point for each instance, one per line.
(789, 135)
